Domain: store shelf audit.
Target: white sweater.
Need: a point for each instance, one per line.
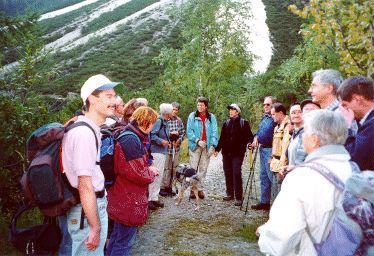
(306, 199)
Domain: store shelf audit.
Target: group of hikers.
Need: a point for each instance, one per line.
(307, 157)
(331, 129)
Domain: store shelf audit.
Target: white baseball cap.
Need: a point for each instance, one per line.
(234, 106)
(97, 82)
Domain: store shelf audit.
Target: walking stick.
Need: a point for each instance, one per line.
(252, 181)
(172, 171)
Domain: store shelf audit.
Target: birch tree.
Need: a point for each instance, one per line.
(214, 58)
(344, 27)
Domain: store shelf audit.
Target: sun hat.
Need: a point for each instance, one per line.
(97, 82)
(234, 106)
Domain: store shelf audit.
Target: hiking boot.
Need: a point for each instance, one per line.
(158, 204)
(228, 198)
(238, 202)
(163, 192)
(260, 206)
(200, 194)
(151, 206)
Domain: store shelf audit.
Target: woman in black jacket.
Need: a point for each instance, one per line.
(236, 134)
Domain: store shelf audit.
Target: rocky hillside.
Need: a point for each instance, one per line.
(118, 38)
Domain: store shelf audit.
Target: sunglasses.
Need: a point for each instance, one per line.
(266, 104)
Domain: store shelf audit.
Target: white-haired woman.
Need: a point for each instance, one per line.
(307, 201)
(160, 135)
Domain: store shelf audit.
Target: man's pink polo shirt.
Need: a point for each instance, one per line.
(79, 154)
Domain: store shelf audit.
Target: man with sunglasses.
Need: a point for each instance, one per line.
(264, 136)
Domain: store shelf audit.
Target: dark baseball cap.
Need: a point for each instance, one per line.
(307, 101)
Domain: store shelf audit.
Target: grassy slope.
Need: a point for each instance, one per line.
(124, 55)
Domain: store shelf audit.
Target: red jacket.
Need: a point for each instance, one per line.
(128, 198)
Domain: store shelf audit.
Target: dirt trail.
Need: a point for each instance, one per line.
(215, 229)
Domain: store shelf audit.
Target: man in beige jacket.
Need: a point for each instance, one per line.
(281, 139)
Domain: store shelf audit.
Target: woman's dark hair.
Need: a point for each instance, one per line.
(130, 107)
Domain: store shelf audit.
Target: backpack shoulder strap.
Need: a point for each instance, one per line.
(242, 122)
(125, 133)
(163, 126)
(80, 123)
(13, 224)
(327, 173)
(128, 133)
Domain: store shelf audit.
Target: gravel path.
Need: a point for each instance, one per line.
(215, 229)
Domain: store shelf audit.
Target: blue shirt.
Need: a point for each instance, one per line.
(265, 131)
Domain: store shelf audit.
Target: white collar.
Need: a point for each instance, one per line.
(362, 121)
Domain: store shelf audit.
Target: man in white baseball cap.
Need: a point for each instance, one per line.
(97, 82)
(80, 158)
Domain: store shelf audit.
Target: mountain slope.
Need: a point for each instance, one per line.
(123, 50)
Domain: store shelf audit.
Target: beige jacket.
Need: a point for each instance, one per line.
(281, 140)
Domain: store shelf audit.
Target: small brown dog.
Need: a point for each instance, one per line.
(187, 177)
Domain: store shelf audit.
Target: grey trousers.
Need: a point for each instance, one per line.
(199, 156)
(169, 164)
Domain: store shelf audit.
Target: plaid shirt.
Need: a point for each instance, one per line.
(333, 105)
(174, 126)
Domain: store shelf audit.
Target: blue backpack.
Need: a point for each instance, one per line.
(352, 230)
(108, 139)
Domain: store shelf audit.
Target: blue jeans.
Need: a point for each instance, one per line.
(266, 175)
(79, 236)
(121, 240)
(66, 243)
(232, 166)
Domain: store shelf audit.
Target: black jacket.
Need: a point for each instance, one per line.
(234, 138)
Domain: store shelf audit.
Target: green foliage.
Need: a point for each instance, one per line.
(344, 27)
(290, 81)
(284, 30)
(21, 108)
(213, 58)
(14, 31)
(116, 14)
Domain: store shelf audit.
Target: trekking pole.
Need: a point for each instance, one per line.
(245, 190)
(252, 171)
(250, 178)
(172, 170)
(252, 181)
